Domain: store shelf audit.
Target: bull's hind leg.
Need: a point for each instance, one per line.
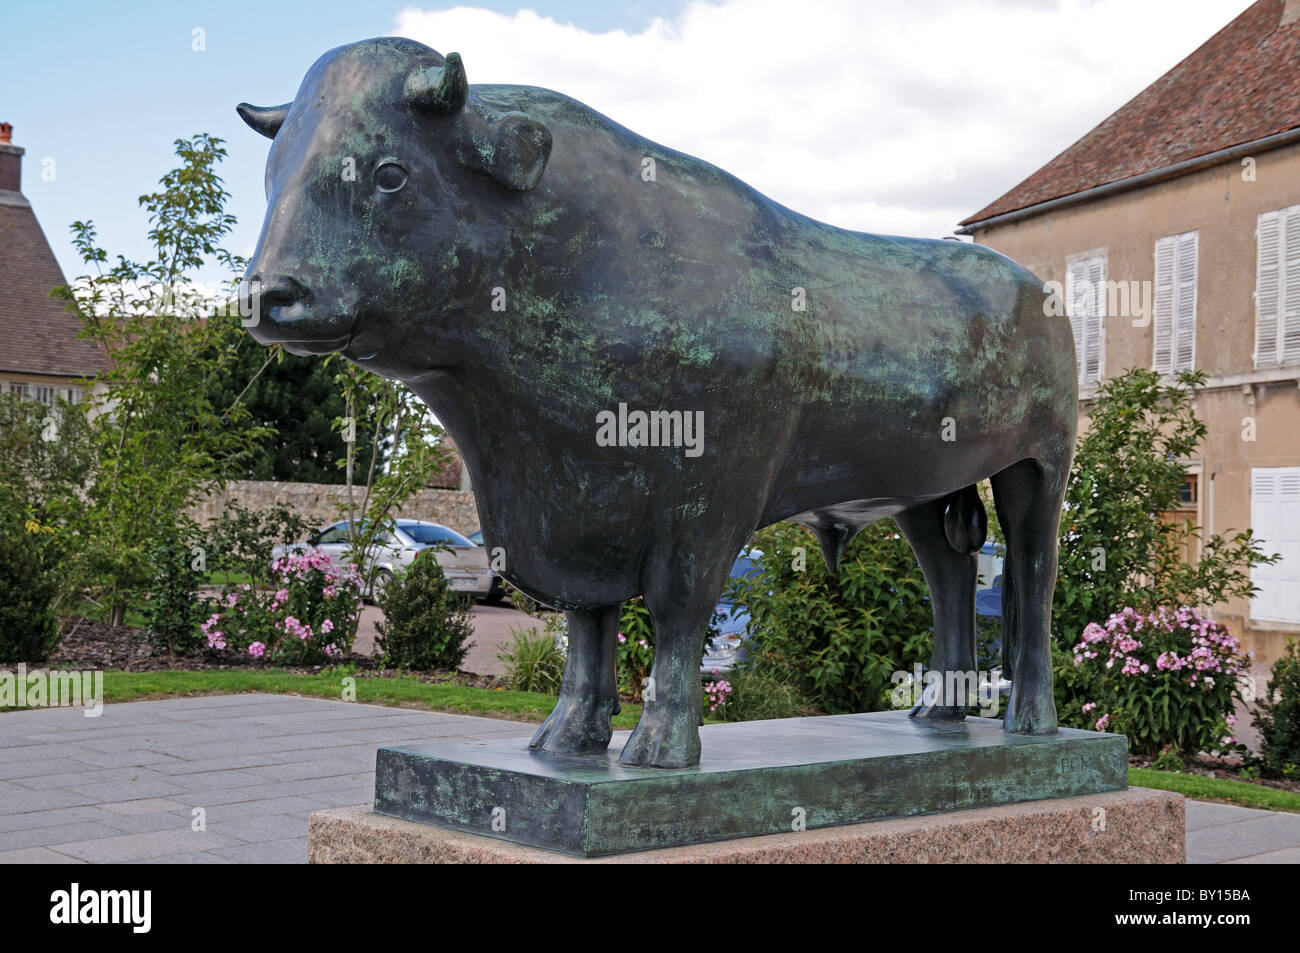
(945, 535)
(1028, 496)
(589, 694)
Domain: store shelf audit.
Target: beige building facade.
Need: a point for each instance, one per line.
(1212, 226)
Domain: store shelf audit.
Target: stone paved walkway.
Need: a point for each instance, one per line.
(125, 787)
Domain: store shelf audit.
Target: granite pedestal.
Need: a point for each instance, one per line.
(754, 778)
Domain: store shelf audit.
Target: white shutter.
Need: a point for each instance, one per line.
(1076, 280)
(1092, 342)
(1164, 304)
(1268, 291)
(1185, 302)
(1275, 518)
(1290, 310)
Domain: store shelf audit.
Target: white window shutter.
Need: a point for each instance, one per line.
(1268, 291)
(1076, 279)
(1092, 349)
(1289, 313)
(1275, 518)
(1185, 302)
(1164, 304)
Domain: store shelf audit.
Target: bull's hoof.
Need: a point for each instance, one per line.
(1030, 713)
(577, 725)
(940, 712)
(662, 742)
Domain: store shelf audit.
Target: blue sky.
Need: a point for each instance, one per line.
(869, 114)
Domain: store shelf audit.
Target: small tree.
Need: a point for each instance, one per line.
(403, 455)
(1116, 551)
(158, 438)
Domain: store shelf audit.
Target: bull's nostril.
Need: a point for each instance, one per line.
(279, 291)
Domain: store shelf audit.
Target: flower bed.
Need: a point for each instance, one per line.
(309, 618)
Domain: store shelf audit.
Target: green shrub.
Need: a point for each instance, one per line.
(29, 625)
(426, 623)
(172, 608)
(535, 659)
(837, 640)
(240, 540)
(1277, 716)
(752, 695)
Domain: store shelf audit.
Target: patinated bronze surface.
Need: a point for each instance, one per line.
(541, 276)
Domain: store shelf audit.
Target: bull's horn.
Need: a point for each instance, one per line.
(264, 119)
(439, 89)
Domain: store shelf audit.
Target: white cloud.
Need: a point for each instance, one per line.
(882, 117)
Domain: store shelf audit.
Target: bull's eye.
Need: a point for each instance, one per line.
(390, 177)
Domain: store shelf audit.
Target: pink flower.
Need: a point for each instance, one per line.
(622, 637)
(327, 626)
(1089, 707)
(1103, 721)
(257, 650)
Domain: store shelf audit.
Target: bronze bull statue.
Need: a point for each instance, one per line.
(643, 360)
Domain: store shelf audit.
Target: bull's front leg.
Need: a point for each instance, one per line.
(580, 721)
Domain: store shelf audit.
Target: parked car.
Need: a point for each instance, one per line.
(464, 564)
(498, 591)
(727, 649)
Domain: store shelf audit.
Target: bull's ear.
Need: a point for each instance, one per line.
(266, 120)
(439, 89)
(511, 147)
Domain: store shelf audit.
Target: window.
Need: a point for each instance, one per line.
(1277, 288)
(1275, 518)
(1085, 281)
(431, 533)
(22, 390)
(1175, 304)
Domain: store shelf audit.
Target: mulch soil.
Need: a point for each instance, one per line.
(97, 645)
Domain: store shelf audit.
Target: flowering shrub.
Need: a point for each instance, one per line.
(636, 648)
(307, 619)
(1167, 678)
(717, 693)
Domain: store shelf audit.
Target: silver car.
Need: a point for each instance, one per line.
(465, 565)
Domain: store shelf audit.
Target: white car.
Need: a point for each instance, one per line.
(464, 564)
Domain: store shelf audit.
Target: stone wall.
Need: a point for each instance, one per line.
(321, 504)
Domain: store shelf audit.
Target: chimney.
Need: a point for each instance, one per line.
(11, 161)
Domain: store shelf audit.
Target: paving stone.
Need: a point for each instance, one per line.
(188, 857)
(126, 790)
(1258, 835)
(36, 855)
(1203, 814)
(292, 851)
(50, 818)
(1288, 855)
(23, 801)
(126, 847)
(262, 828)
(41, 836)
(33, 767)
(145, 805)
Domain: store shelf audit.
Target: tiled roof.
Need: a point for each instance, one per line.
(37, 334)
(1241, 85)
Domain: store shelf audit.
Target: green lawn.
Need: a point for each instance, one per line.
(1241, 793)
(401, 691)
